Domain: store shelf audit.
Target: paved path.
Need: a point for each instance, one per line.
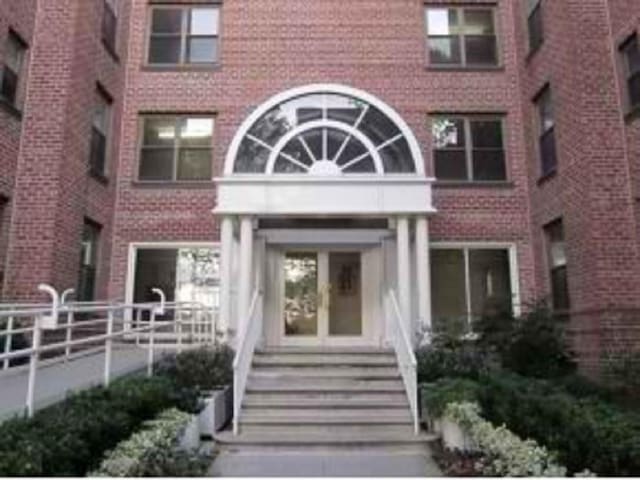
(55, 381)
(335, 464)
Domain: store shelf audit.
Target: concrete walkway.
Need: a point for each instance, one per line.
(365, 463)
(55, 381)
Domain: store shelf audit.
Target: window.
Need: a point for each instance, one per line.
(176, 149)
(110, 24)
(546, 128)
(535, 24)
(100, 126)
(462, 37)
(557, 257)
(468, 283)
(13, 59)
(184, 274)
(631, 53)
(184, 36)
(469, 149)
(88, 261)
(4, 236)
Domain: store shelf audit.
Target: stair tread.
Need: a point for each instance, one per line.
(333, 438)
(324, 420)
(325, 403)
(325, 350)
(369, 388)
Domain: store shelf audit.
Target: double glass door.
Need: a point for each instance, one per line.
(322, 296)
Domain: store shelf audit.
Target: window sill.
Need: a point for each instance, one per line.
(632, 114)
(459, 68)
(99, 177)
(10, 108)
(474, 184)
(212, 67)
(547, 176)
(197, 184)
(112, 53)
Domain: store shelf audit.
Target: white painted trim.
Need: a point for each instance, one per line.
(514, 272)
(292, 236)
(324, 88)
(133, 247)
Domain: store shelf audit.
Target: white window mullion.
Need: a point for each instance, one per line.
(469, 148)
(467, 286)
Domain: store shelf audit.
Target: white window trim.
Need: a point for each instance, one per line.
(132, 257)
(514, 276)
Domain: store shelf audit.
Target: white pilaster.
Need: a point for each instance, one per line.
(245, 280)
(226, 272)
(423, 273)
(404, 271)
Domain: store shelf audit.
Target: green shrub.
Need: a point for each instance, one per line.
(69, 438)
(504, 453)
(205, 368)
(585, 432)
(155, 451)
(437, 396)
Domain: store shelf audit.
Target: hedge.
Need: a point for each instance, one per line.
(70, 438)
(155, 451)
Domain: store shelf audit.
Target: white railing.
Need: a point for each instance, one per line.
(405, 355)
(244, 356)
(82, 328)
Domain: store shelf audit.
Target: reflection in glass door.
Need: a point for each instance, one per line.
(301, 294)
(345, 298)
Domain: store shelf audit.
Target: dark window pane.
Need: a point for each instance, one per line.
(155, 268)
(315, 142)
(478, 22)
(536, 28)
(86, 284)
(560, 289)
(156, 164)
(196, 132)
(448, 291)
(448, 132)
(486, 133)
(545, 110)
(98, 152)
(109, 26)
(335, 139)
(345, 115)
(159, 131)
(378, 127)
(194, 164)
(352, 150)
(365, 165)
(397, 157)
(481, 49)
(166, 20)
(295, 149)
(164, 50)
(489, 165)
(451, 165)
(548, 152)
(490, 282)
(283, 165)
(9, 87)
(202, 50)
(631, 51)
(252, 157)
(634, 90)
(88, 262)
(444, 51)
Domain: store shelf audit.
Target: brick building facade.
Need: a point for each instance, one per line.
(50, 194)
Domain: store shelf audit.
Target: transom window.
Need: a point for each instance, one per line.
(184, 35)
(462, 37)
(324, 134)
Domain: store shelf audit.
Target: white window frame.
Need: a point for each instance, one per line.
(514, 276)
(132, 256)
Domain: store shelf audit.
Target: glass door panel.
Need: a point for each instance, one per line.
(301, 271)
(345, 294)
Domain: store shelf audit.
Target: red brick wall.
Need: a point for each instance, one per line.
(54, 192)
(268, 47)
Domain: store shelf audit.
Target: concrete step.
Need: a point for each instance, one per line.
(313, 402)
(340, 396)
(361, 429)
(326, 351)
(326, 415)
(318, 388)
(327, 371)
(323, 384)
(317, 359)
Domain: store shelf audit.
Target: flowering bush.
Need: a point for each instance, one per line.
(155, 451)
(504, 453)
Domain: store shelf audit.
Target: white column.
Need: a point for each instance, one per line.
(404, 271)
(423, 271)
(226, 269)
(245, 280)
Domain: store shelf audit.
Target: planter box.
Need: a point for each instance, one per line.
(191, 436)
(217, 411)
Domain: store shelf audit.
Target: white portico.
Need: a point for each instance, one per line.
(324, 209)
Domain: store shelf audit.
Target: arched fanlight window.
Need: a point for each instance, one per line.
(325, 132)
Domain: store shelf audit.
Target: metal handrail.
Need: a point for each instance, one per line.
(406, 357)
(244, 357)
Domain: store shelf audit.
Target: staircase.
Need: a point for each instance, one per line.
(306, 398)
